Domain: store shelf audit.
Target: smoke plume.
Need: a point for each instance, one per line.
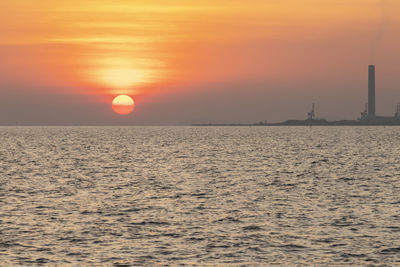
(380, 29)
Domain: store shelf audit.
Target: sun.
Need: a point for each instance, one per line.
(123, 104)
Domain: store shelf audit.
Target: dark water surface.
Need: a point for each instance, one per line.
(207, 196)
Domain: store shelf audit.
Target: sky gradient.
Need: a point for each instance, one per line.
(62, 62)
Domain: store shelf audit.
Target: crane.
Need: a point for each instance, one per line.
(311, 114)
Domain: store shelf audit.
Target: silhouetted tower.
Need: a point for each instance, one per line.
(311, 114)
(371, 91)
(397, 114)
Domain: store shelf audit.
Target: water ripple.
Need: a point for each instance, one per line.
(144, 196)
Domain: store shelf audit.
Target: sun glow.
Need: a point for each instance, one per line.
(124, 73)
(120, 77)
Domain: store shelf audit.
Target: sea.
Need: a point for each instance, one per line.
(204, 196)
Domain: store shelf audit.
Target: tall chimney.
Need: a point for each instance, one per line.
(371, 91)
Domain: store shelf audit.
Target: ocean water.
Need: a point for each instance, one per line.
(144, 196)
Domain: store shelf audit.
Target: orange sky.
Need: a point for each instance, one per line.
(156, 50)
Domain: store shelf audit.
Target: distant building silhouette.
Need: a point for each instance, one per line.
(368, 116)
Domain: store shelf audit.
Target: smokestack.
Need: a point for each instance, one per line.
(371, 91)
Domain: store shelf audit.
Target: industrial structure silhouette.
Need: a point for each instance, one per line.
(368, 116)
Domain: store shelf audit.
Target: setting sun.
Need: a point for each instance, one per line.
(123, 104)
